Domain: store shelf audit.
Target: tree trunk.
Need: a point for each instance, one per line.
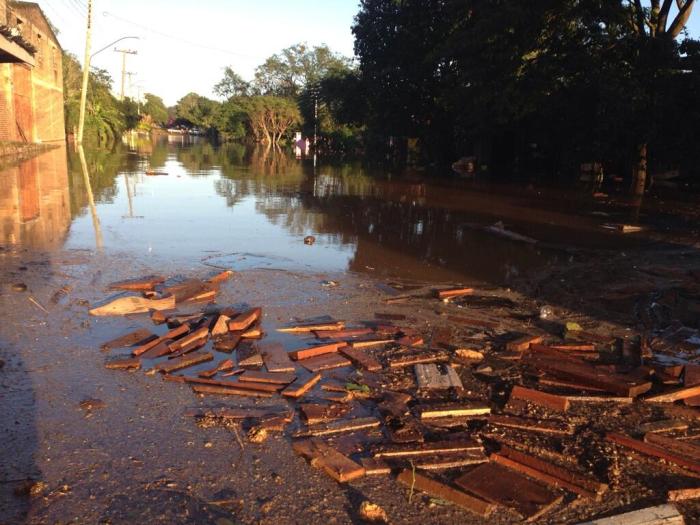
(640, 174)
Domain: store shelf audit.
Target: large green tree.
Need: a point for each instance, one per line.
(156, 109)
(232, 85)
(197, 110)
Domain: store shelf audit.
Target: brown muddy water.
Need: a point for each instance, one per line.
(134, 458)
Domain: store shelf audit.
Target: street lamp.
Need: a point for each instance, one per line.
(86, 72)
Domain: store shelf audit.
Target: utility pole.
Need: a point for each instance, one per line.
(86, 73)
(131, 74)
(124, 52)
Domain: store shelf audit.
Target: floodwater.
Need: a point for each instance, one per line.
(232, 207)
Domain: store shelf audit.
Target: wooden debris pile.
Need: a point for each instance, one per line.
(488, 422)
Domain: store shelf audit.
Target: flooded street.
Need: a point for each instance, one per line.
(106, 446)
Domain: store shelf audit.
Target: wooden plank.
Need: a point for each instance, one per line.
(319, 413)
(523, 343)
(338, 427)
(410, 340)
(259, 387)
(244, 320)
(430, 377)
(416, 481)
(472, 457)
(313, 351)
(499, 485)
(226, 364)
(675, 395)
(275, 358)
(228, 343)
(336, 465)
(416, 358)
(171, 334)
(574, 347)
(129, 363)
(451, 293)
(599, 399)
(145, 283)
(559, 383)
(457, 446)
(661, 515)
(184, 362)
(663, 425)
(249, 355)
(361, 358)
(277, 378)
(367, 343)
(555, 428)
(544, 399)
(197, 335)
(683, 494)
(220, 326)
(463, 408)
(161, 349)
(654, 450)
(301, 386)
(375, 467)
(324, 362)
(674, 445)
(133, 305)
(343, 334)
(549, 473)
(189, 347)
(313, 327)
(225, 391)
(137, 337)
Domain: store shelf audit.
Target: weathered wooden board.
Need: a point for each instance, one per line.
(260, 387)
(226, 391)
(313, 351)
(675, 395)
(275, 357)
(249, 355)
(544, 399)
(133, 305)
(324, 362)
(228, 343)
(145, 283)
(225, 365)
(663, 425)
(430, 377)
(375, 467)
(463, 408)
(661, 515)
(361, 358)
(472, 457)
(451, 293)
(220, 326)
(367, 343)
(654, 450)
(555, 428)
(523, 343)
(683, 448)
(187, 340)
(415, 358)
(343, 425)
(318, 413)
(161, 349)
(169, 335)
(278, 378)
(683, 494)
(499, 485)
(137, 337)
(313, 327)
(336, 465)
(301, 386)
(184, 362)
(129, 363)
(550, 473)
(343, 334)
(245, 320)
(416, 481)
(451, 447)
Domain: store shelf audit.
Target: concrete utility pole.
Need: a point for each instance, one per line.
(86, 73)
(124, 52)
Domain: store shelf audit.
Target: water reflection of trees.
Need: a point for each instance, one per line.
(103, 166)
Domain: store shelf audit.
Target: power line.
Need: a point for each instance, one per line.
(180, 39)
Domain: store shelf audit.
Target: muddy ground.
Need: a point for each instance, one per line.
(135, 458)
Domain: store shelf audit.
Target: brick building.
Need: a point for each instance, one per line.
(31, 76)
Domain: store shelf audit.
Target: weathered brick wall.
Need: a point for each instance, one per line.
(7, 112)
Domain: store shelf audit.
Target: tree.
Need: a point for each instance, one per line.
(197, 110)
(270, 117)
(155, 108)
(286, 73)
(232, 85)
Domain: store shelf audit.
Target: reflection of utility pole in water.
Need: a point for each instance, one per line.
(91, 200)
(130, 196)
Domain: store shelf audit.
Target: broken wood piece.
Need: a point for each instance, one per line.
(664, 425)
(675, 395)
(313, 327)
(343, 334)
(410, 340)
(550, 473)
(171, 334)
(361, 358)
(523, 343)
(245, 320)
(226, 391)
(225, 365)
(337, 427)
(313, 351)
(252, 333)
(472, 457)
(505, 487)
(661, 515)
(463, 408)
(366, 343)
(261, 387)
(375, 467)
(129, 363)
(220, 277)
(599, 399)
(415, 358)
(451, 293)
(248, 355)
(446, 447)
(133, 305)
(184, 362)
(324, 362)
(197, 335)
(416, 481)
(137, 337)
(161, 349)
(277, 378)
(683, 494)
(683, 448)
(228, 343)
(220, 326)
(146, 283)
(544, 399)
(319, 413)
(555, 428)
(573, 347)
(275, 358)
(300, 386)
(430, 377)
(560, 383)
(654, 450)
(336, 465)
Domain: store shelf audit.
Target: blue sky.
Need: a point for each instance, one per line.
(184, 46)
